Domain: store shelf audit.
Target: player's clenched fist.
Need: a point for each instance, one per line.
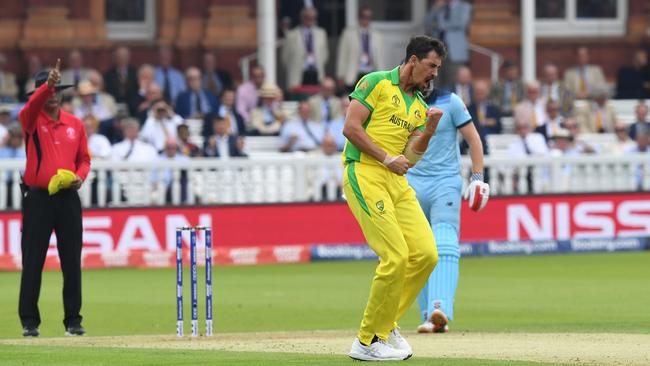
(433, 117)
(397, 164)
(54, 75)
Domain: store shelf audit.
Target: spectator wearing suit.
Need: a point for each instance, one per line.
(509, 90)
(641, 115)
(170, 79)
(8, 86)
(325, 106)
(153, 95)
(633, 81)
(132, 148)
(598, 115)
(305, 51)
(462, 86)
(450, 21)
(98, 145)
(89, 102)
(554, 120)
(563, 145)
(122, 78)
(623, 140)
(302, 134)
(247, 93)
(195, 102)
(584, 78)
(359, 51)
(13, 147)
(552, 88)
(486, 116)
(572, 125)
(221, 144)
(267, 118)
(533, 107)
(642, 146)
(161, 125)
(328, 177)
(140, 102)
(75, 71)
(97, 81)
(215, 80)
(185, 146)
(171, 152)
(226, 110)
(642, 140)
(530, 143)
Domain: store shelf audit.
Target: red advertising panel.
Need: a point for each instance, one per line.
(559, 217)
(285, 232)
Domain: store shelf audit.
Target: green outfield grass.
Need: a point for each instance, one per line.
(572, 293)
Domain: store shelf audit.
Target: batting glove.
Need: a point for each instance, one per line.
(477, 193)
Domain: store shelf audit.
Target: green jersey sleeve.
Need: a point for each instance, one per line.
(368, 89)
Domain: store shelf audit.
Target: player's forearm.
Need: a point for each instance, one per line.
(421, 143)
(359, 138)
(476, 155)
(471, 135)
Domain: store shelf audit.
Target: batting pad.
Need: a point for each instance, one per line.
(440, 290)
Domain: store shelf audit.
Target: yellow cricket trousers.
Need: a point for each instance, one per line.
(398, 232)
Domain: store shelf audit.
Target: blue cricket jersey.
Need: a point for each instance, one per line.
(442, 157)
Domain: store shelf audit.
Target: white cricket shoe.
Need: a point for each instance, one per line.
(426, 327)
(377, 351)
(398, 342)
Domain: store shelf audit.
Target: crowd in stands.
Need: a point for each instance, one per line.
(141, 113)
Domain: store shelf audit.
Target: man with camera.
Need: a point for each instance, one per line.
(161, 125)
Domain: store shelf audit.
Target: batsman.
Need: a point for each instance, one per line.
(388, 126)
(437, 181)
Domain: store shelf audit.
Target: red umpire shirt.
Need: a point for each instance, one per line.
(52, 145)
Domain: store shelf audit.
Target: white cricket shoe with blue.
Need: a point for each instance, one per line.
(376, 351)
(426, 327)
(396, 340)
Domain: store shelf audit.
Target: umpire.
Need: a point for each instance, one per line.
(54, 140)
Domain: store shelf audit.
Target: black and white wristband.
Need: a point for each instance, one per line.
(476, 176)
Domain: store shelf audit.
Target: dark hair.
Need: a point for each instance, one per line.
(508, 64)
(362, 9)
(218, 118)
(420, 46)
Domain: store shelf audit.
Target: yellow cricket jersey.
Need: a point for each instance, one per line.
(393, 115)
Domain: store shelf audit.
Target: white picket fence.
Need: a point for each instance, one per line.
(302, 178)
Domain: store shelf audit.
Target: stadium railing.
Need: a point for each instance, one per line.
(303, 177)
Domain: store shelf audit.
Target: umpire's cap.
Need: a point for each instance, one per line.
(41, 77)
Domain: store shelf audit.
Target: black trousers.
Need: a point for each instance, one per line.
(42, 214)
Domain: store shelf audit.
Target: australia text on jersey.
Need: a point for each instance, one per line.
(401, 123)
